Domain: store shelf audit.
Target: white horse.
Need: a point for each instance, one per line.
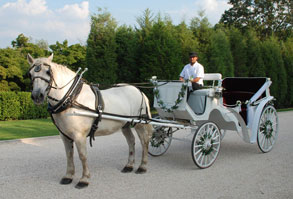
(53, 81)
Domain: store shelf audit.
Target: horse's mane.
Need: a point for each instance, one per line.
(61, 68)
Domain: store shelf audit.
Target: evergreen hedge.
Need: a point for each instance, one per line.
(18, 105)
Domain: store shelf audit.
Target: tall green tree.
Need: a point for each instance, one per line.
(159, 52)
(255, 63)
(268, 17)
(273, 60)
(101, 49)
(187, 40)
(202, 30)
(287, 51)
(126, 40)
(20, 41)
(72, 56)
(11, 75)
(221, 57)
(239, 52)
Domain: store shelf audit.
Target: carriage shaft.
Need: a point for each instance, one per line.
(111, 117)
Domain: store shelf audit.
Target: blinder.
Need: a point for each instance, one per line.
(38, 68)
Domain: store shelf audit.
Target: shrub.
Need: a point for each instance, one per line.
(18, 105)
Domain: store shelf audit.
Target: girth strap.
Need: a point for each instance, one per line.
(99, 109)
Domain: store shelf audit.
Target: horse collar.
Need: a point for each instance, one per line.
(68, 98)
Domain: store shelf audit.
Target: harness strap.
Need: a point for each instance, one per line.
(99, 109)
(71, 140)
(66, 102)
(68, 98)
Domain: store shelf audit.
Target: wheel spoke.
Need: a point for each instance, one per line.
(271, 143)
(262, 140)
(199, 157)
(198, 151)
(215, 138)
(197, 146)
(202, 159)
(216, 143)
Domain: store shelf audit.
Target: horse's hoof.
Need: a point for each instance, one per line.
(65, 181)
(127, 169)
(81, 185)
(141, 170)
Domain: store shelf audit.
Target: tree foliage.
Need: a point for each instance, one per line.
(127, 55)
(158, 51)
(11, 75)
(101, 49)
(272, 56)
(255, 63)
(202, 31)
(268, 17)
(72, 56)
(221, 57)
(287, 51)
(239, 52)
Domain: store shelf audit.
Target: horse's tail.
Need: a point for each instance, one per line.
(147, 104)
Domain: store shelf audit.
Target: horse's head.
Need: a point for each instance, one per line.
(41, 77)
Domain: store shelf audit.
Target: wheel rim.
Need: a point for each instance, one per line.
(160, 141)
(267, 129)
(206, 145)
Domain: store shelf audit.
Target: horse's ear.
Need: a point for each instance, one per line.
(51, 57)
(30, 59)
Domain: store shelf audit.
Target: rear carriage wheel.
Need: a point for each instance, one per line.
(160, 140)
(206, 145)
(268, 129)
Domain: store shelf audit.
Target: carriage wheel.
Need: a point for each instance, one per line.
(160, 140)
(206, 145)
(268, 129)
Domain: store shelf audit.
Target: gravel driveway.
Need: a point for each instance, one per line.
(32, 168)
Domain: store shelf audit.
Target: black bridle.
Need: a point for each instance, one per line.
(51, 80)
(37, 68)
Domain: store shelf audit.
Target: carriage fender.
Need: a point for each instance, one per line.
(229, 119)
(256, 116)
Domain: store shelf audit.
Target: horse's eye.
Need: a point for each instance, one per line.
(38, 68)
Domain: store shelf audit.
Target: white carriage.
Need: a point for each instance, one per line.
(239, 104)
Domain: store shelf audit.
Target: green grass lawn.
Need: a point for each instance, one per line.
(18, 129)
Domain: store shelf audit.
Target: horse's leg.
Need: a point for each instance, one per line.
(143, 132)
(80, 142)
(131, 143)
(68, 144)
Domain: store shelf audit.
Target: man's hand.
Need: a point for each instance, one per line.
(195, 79)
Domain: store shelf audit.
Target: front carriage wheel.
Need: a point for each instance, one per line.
(160, 140)
(206, 145)
(268, 129)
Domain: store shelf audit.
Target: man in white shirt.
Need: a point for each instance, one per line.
(193, 71)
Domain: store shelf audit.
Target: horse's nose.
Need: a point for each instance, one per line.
(37, 96)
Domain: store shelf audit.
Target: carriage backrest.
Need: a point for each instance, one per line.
(213, 77)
